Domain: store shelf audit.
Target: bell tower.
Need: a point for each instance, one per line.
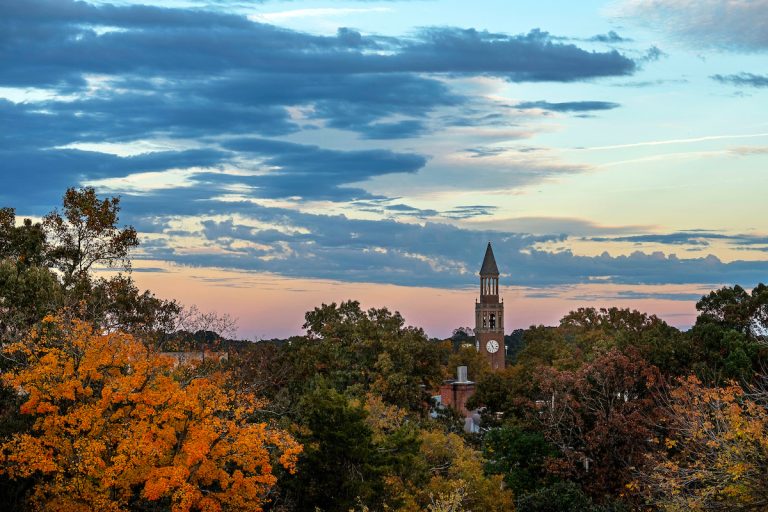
(489, 313)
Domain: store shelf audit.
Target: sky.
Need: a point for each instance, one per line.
(275, 155)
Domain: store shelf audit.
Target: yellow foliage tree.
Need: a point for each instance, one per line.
(115, 427)
(715, 455)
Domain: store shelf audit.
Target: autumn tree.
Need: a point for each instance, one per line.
(114, 428)
(453, 466)
(601, 418)
(715, 453)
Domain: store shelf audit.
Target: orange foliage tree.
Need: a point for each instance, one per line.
(116, 427)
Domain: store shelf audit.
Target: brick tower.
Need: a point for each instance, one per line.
(489, 313)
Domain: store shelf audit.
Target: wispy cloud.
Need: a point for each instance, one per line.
(743, 79)
(674, 141)
(726, 24)
(325, 12)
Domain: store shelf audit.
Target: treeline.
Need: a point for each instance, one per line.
(612, 410)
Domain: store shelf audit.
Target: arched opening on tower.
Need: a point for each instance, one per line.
(493, 321)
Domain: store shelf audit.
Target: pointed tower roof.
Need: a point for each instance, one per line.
(489, 263)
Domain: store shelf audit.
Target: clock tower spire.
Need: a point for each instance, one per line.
(489, 313)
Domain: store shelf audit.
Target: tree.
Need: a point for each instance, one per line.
(28, 289)
(715, 454)
(117, 304)
(453, 465)
(558, 497)
(596, 331)
(730, 334)
(519, 456)
(736, 309)
(27, 294)
(24, 245)
(601, 418)
(86, 234)
(359, 351)
(114, 428)
(340, 465)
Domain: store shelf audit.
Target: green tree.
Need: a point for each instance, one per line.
(359, 351)
(24, 245)
(518, 455)
(340, 465)
(558, 497)
(730, 334)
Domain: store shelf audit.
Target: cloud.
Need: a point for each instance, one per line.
(311, 172)
(743, 79)
(568, 106)
(633, 295)
(651, 83)
(206, 79)
(192, 74)
(562, 225)
(39, 176)
(535, 56)
(470, 211)
(323, 12)
(736, 25)
(53, 43)
(610, 37)
(430, 254)
(749, 150)
(694, 238)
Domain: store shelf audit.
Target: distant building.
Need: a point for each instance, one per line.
(489, 313)
(454, 393)
(191, 356)
(489, 340)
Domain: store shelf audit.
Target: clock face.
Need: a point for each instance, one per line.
(492, 346)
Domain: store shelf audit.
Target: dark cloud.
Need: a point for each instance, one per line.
(470, 211)
(743, 79)
(40, 176)
(141, 72)
(336, 247)
(693, 237)
(685, 297)
(569, 106)
(53, 42)
(535, 56)
(311, 172)
(410, 211)
(683, 238)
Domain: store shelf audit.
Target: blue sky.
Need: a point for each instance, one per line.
(619, 143)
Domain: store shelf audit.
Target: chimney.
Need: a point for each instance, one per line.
(461, 373)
